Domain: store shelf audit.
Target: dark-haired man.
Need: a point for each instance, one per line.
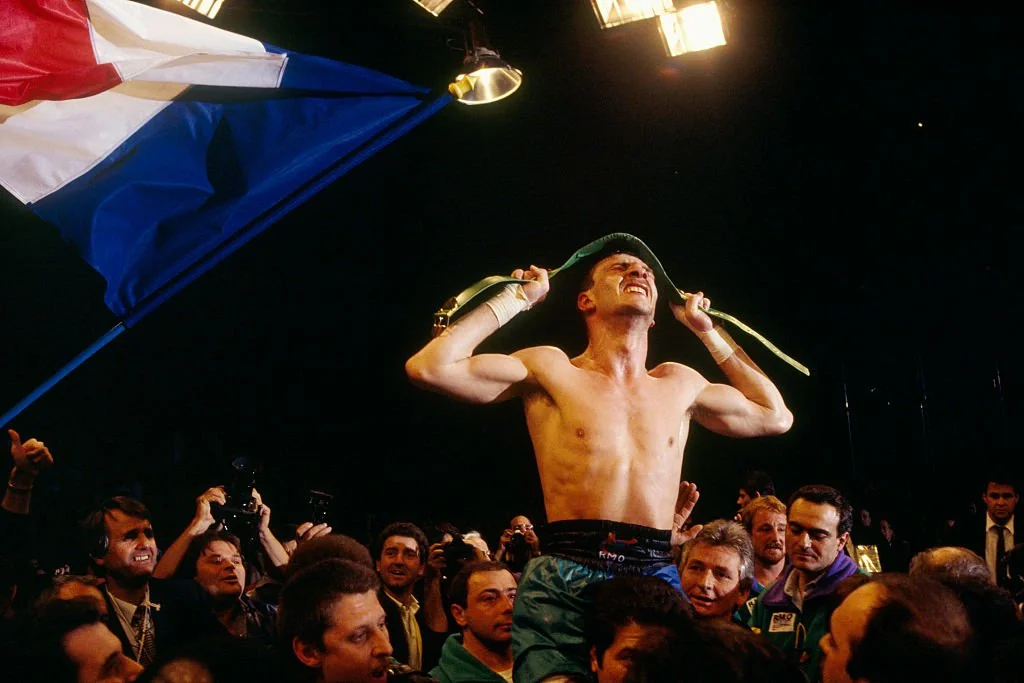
(332, 622)
(69, 641)
(416, 632)
(627, 615)
(146, 614)
(996, 537)
(215, 560)
(754, 485)
(481, 596)
(793, 611)
(896, 628)
(608, 434)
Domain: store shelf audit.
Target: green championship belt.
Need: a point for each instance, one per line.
(616, 241)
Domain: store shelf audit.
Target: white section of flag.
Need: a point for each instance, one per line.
(46, 144)
(145, 43)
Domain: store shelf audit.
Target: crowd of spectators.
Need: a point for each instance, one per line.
(800, 587)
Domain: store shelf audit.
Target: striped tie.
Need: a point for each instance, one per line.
(143, 625)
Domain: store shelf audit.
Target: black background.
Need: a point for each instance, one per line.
(841, 179)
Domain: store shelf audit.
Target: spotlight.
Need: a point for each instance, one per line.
(693, 28)
(485, 77)
(617, 12)
(435, 7)
(208, 8)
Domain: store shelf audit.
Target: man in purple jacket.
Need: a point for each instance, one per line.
(792, 612)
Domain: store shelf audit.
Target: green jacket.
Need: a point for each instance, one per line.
(457, 665)
(797, 632)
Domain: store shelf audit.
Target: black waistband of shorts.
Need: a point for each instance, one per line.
(601, 544)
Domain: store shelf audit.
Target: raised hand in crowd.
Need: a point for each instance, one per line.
(306, 531)
(435, 558)
(685, 502)
(30, 458)
(272, 547)
(202, 521)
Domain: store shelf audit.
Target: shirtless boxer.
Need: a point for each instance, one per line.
(608, 435)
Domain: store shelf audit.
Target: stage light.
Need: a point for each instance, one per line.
(435, 7)
(208, 8)
(693, 28)
(485, 76)
(617, 12)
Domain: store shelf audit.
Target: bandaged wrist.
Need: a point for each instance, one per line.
(719, 343)
(508, 303)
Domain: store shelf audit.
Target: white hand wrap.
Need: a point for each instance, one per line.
(508, 303)
(719, 343)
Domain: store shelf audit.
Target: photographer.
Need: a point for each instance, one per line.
(518, 545)
(204, 520)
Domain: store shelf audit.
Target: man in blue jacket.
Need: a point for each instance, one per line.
(793, 611)
(482, 595)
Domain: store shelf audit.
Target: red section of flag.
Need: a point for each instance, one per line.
(46, 52)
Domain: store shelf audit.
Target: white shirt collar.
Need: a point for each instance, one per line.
(989, 523)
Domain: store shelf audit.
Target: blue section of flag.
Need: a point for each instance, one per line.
(219, 165)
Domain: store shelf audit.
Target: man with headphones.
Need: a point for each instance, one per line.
(146, 614)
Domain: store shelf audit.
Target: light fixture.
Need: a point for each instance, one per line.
(435, 7)
(695, 27)
(617, 12)
(485, 76)
(208, 8)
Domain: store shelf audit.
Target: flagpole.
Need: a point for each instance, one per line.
(62, 373)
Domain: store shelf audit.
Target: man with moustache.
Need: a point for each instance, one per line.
(793, 611)
(764, 519)
(145, 614)
(481, 596)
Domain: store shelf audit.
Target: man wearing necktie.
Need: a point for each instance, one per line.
(147, 615)
(1000, 501)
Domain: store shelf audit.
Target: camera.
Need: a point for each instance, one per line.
(319, 505)
(239, 515)
(518, 545)
(456, 554)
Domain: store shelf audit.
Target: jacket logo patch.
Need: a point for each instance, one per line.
(782, 622)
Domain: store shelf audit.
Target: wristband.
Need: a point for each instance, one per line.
(508, 303)
(719, 343)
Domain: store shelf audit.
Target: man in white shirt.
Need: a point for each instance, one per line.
(1000, 502)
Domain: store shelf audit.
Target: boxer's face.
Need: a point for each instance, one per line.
(620, 283)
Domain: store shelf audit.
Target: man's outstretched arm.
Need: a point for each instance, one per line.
(447, 364)
(753, 405)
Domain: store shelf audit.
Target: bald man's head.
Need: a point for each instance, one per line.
(951, 564)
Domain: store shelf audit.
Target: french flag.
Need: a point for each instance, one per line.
(158, 144)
